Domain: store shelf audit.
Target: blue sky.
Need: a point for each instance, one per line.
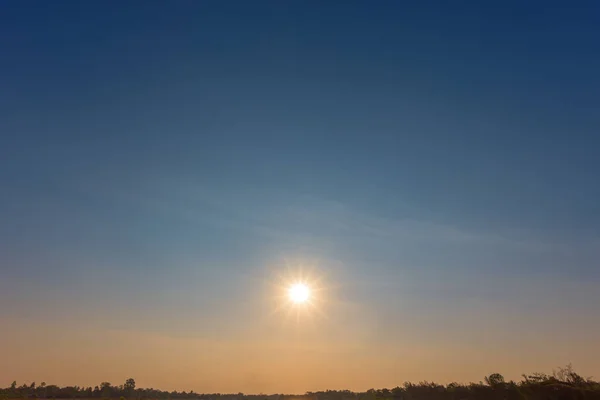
(160, 162)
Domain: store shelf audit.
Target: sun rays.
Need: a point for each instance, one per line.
(300, 293)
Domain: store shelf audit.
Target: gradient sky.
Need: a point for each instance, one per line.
(162, 164)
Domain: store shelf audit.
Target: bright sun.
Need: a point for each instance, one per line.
(299, 293)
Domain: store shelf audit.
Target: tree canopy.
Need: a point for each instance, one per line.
(564, 384)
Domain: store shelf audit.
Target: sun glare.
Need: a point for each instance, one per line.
(299, 293)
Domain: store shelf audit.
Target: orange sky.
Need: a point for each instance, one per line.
(269, 353)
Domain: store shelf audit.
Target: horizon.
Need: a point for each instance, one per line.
(565, 375)
(285, 196)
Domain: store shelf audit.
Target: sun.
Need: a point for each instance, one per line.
(299, 293)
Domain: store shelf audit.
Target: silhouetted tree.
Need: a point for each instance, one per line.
(563, 384)
(494, 380)
(129, 387)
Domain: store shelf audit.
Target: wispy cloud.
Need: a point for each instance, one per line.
(275, 219)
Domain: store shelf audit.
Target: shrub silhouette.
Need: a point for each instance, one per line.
(563, 384)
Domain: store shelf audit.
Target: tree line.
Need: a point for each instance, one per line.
(564, 384)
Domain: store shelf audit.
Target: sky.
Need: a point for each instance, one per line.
(167, 168)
